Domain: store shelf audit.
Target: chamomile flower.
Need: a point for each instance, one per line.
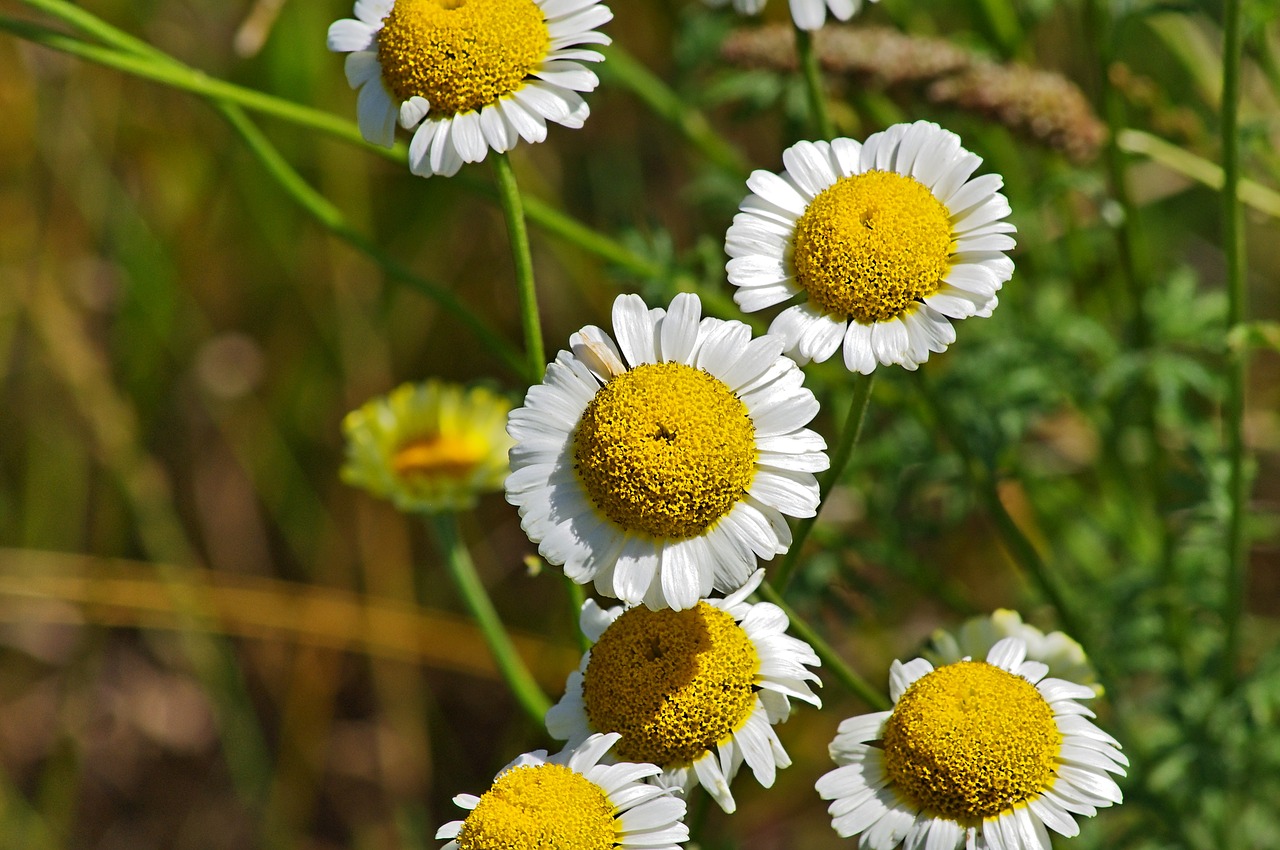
(696, 692)
(570, 801)
(886, 241)
(428, 447)
(808, 14)
(661, 466)
(469, 75)
(975, 637)
(975, 754)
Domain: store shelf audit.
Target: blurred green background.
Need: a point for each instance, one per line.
(206, 641)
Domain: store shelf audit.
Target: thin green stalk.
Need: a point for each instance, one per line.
(621, 68)
(328, 215)
(462, 570)
(840, 456)
(1130, 244)
(518, 232)
(288, 178)
(1016, 543)
(168, 71)
(1237, 370)
(844, 674)
(96, 27)
(174, 74)
(808, 58)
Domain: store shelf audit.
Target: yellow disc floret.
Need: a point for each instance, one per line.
(869, 246)
(970, 740)
(460, 54)
(665, 449)
(673, 683)
(438, 456)
(541, 806)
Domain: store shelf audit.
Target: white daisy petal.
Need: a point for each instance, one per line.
(809, 164)
(347, 35)
(373, 11)
(498, 132)
(635, 331)
(858, 353)
(468, 138)
(412, 111)
(679, 331)
(375, 114)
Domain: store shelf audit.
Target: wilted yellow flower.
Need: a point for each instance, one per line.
(428, 447)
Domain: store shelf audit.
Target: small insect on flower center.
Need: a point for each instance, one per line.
(871, 245)
(665, 449)
(673, 683)
(545, 805)
(970, 740)
(460, 54)
(437, 456)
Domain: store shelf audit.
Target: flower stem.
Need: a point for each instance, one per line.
(323, 211)
(288, 179)
(1237, 369)
(463, 572)
(621, 68)
(141, 60)
(840, 456)
(808, 58)
(518, 231)
(1016, 543)
(844, 674)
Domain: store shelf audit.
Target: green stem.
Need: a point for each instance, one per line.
(288, 179)
(179, 76)
(463, 572)
(840, 456)
(1016, 543)
(808, 57)
(1237, 370)
(622, 69)
(96, 27)
(330, 217)
(831, 660)
(172, 73)
(1129, 239)
(518, 231)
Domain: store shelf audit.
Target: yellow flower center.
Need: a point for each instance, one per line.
(537, 806)
(665, 449)
(437, 456)
(970, 740)
(871, 245)
(460, 54)
(673, 683)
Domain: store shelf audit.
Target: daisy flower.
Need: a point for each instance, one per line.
(886, 240)
(428, 447)
(470, 75)
(661, 466)
(696, 692)
(975, 637)
(808, 14)
(973, 754)
(570, 800)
